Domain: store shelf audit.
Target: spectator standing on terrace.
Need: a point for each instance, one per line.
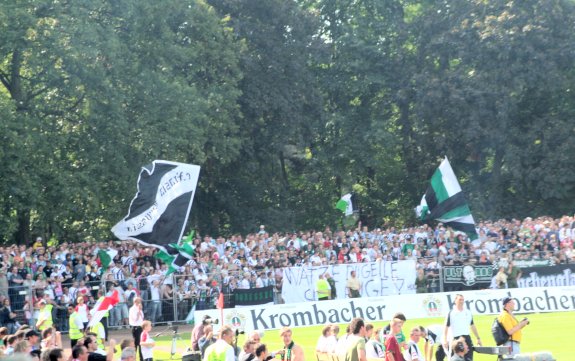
(353, 286)
(8, 317)
(513, 275)
(3, 283)
(331, 282)
(501, 278)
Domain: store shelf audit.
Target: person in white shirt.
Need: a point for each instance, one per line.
(136, 319)
(374, 347)
(412, 353)
(323, 341)
(457, 324)
(146, 342)
(259, 282)
(121, 309)
(245, 282)
(432, 336)
(332, 340)
(155, 304)
(342, 343)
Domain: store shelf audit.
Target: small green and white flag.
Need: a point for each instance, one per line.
(344, 205)
(105, 257)
(444, 201)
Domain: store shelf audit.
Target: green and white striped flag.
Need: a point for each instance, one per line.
(180, 255)
(444, 201)
(344, 205)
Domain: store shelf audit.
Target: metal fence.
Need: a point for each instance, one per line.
(175, 300)
(171, 302)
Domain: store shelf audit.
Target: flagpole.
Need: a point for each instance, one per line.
(220, 305)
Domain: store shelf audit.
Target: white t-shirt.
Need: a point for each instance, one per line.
(147, 351)
(413, 352)
(322, 344)
(459, 322)
(82, 312)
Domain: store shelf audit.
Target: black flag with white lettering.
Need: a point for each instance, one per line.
(159, 212)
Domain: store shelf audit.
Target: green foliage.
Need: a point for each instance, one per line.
(286, 105)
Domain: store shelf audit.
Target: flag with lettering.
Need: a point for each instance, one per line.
(254, 296)
(159, 212)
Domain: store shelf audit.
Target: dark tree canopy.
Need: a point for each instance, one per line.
(286, 105)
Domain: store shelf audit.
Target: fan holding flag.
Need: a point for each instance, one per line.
(100, 311)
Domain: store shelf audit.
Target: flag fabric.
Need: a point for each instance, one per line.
(103, 306)
(105, 257)
(220, 303)
(444, 201)
(345, 205)
(158, 213)
(190, 317)
(176, 256)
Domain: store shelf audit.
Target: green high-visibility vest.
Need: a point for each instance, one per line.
(322, 288)
(95, 329)
(75, 332)
(46, 314)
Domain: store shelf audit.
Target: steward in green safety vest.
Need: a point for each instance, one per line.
(222, 349)
(76, 326)
(44, 316)
(322, 288)
(98, 329)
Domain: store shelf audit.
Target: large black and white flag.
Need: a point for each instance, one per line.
(444, 201)
(159, 211)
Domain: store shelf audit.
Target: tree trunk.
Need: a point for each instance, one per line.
(22, 234)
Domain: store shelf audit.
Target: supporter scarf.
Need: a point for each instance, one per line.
(287, 355)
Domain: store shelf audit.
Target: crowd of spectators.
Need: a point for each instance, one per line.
(60, 273)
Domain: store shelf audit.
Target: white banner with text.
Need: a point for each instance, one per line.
(377, 279)
(381, 309)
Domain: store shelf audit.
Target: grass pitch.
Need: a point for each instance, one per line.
(546, 332)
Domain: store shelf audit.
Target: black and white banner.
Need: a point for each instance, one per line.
(158, 213)
(254, 296)
(548, 276)
(467, 277)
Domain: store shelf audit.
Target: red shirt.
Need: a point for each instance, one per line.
(392, 346)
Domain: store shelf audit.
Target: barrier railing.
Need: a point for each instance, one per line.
(177, 297)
